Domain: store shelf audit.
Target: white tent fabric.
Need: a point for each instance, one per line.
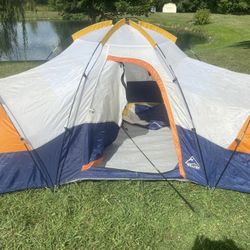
(157, 145)
(221, 101)
(58, 80)
(83, 86)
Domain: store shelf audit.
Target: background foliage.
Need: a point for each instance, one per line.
(101, 9)
(215, 6)
(138, 215)
(98, 10)
(10, 13)
(202, 17)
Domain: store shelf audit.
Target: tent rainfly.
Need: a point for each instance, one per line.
(64, 120)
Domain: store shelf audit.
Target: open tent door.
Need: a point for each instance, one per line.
(145, 142)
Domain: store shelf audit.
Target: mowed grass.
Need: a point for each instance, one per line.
(11, 68)
(224, 42)
(42, 12)
(124, 215)
(137, 214)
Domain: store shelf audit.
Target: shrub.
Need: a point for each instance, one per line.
(202, 17)
(235, 7)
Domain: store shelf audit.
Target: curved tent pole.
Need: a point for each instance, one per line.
(159, 172)
(32, 152)
(103, 41)
(159, 82)
(175, 80)
(176, 138)
(68, 133)
(238, 141)
(156, 46)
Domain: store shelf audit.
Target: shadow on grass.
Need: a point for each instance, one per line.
(187, 37)
(243, 44)
(201, 242)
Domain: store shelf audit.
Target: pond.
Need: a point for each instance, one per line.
(43, 38)
(46, 39)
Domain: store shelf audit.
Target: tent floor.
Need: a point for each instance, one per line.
(157, 145)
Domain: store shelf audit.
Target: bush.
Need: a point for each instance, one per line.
(202, 17)
(234, 7)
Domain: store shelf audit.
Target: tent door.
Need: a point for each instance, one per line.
(145, 121)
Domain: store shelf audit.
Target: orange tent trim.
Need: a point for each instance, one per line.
(10, 140)
(160, 84)
(242, 141)
(92, 164)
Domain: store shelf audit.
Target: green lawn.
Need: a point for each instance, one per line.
(135, 214)
(224, 42)
(42, 12)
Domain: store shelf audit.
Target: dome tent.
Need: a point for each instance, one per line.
(61, 122)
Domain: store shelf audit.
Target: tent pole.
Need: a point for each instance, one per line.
(232, 155)
(159, 172)
(68, 131)
(175, 80)
(33, 154)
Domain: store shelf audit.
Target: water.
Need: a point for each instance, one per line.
(43, 37)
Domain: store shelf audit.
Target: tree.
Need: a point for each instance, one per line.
(233, 6)
(12, 12)
(98, 10)
(215, 6)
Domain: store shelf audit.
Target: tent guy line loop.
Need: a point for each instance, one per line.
(158, 171)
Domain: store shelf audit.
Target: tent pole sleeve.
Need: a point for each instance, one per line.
(112, 30)
(143, 32)
(91, 28)
(159, 30)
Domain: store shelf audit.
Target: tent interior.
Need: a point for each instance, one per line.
(145, 131)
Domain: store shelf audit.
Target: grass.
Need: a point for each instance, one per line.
(123, 215)
(43, 12)
(224, 42)
(11, 68)
(138, 215)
